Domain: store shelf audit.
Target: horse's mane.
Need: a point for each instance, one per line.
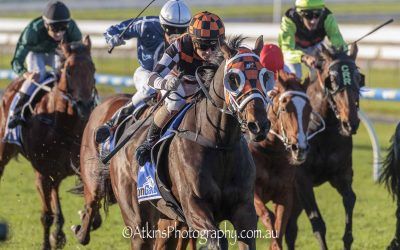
(290, 80)
(233, 42)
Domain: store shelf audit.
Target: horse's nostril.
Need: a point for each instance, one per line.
(295, 147)
(253, 127)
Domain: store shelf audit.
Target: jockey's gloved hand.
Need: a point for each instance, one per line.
(308, 60)
(172, 83)
(32, 76)
(115, 41)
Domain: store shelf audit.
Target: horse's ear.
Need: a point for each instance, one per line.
(66, 49)
(227, 51)
(282, 77)
(353, 51)
(258, 46)
(87, 42)
(325, 51)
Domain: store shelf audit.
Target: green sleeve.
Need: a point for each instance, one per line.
(27, 39)
(333, 32)
(287, 41)
(74, 34)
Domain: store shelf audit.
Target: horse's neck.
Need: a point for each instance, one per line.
(318, 99)
(215, 125)
(319, 103)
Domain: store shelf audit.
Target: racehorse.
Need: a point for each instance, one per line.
(210, 171)
(390, 176)
(90, 169)
(96, 181)
(277, 156)
(334, 94)
(52, 136)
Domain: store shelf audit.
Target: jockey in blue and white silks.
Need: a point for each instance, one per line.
(153, 34)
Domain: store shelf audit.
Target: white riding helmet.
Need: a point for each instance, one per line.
(175, 13)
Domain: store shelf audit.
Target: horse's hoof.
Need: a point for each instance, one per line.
(96, 223)
(75, 228)
(58, 241)
(81, 214)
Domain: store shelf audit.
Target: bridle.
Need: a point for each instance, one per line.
(282, 134)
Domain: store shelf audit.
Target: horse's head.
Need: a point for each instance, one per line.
(289, 113)
(340, 79)
(245, 82)
(77, 76)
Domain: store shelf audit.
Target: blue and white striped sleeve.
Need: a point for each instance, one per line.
(133, 31)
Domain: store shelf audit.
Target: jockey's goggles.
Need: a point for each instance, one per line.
(206, 45)
(171, 30)
(58, 27)
(311, 14)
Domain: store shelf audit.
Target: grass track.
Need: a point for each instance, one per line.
(373, 215)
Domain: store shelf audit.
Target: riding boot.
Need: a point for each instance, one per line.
(161, 118)
(17, 118)
(143, 151)
(104, 131)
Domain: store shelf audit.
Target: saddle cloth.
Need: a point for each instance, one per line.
(147, 188)
(14, 135)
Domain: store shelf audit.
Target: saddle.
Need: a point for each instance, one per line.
(14, 135)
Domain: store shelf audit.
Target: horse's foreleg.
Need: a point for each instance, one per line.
(7, 151)
(43, 185)
(267, 216)
(305, 192)
(395, 243)
(57, 238)
(291, 228)
(90, 216)
(343, 186)
(244, 220)
(283, 209)
(174, 235)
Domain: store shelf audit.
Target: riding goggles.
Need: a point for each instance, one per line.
(58, 27)
(206, 45)
(311, 14)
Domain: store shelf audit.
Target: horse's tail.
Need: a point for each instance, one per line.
(390, 174)
(105, 186)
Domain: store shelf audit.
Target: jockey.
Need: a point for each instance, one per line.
(153, 35)
(303, 28)
(187, 53)
(37, 47)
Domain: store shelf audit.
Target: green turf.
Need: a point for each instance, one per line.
(373, 215)
(251, 12)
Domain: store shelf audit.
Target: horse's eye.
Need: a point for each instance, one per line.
(234, 81)
(267, 80)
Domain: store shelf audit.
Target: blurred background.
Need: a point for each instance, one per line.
(379, 60)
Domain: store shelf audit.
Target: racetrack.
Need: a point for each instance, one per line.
(373, 215)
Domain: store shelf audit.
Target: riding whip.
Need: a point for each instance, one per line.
(123, 142)
(372, 31)
(129, 25)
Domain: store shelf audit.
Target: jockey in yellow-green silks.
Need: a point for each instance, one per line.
(303, 28)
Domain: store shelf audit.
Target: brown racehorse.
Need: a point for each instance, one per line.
(280, 153)
(214, 180)
(334, 94)
(96, 184)
(390, 176)
(90, 168)
(52, 136)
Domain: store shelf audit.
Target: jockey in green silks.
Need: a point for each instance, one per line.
(303, 28)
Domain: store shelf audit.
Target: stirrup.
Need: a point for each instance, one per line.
(102, 133)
